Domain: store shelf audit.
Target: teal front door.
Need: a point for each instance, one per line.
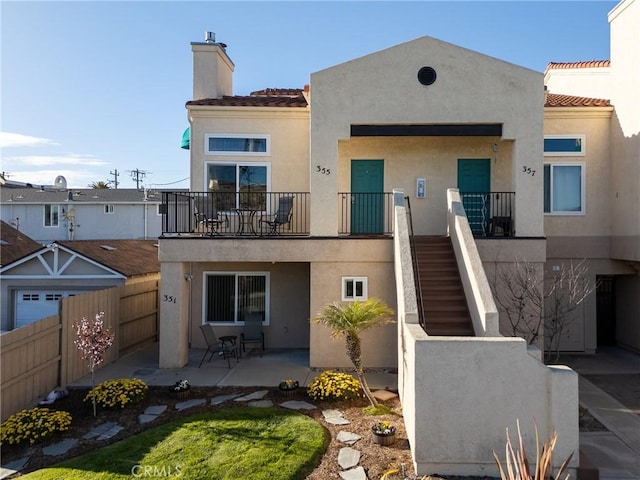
(367, 197)
(474, 183)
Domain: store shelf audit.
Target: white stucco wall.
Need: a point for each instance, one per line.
(470, 88)
(624, 22)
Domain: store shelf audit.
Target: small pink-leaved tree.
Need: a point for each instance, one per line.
(93, 340)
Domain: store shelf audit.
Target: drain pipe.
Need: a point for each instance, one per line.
(189, 278)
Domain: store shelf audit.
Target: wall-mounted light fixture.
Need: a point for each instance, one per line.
(188, 277)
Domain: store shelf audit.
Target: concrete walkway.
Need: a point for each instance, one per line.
(615, 453)
(252, 370)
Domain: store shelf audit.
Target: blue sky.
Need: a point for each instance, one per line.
(88, 88)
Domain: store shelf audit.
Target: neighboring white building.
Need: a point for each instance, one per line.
(51, 214)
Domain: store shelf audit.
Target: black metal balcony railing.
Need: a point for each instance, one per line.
(244, 213)
(490, 214)
(365, 213)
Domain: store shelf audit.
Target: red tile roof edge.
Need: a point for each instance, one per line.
(559, 100)
(587, 64)
(269, 97)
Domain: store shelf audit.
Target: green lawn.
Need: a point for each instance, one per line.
(235, 443)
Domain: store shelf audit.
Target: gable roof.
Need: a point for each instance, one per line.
(129, 257)
(78, 195)
(559, 100)
(14, 244)
(270, 97)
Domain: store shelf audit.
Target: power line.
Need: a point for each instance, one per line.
(170, 183)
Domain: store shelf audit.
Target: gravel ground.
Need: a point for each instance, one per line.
(375, 459)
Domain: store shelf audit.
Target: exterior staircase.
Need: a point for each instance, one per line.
(445, 306)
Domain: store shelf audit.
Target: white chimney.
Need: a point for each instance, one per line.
(212, 69)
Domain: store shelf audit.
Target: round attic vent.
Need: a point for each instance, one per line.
(426, 75)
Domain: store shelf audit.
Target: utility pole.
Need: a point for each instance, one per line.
(115, 176)
(138, 175)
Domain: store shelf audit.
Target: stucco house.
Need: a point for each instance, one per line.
(36, 277)
(47, 214)
(423, 154)
(604, 225)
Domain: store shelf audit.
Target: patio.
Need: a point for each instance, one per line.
(252, 370)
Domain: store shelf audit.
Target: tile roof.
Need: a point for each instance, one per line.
(129, 257)
(558, 100)
(15, 244)
(588, 64)
(269, 97)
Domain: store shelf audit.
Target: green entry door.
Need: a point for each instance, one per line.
(474, 180)
(367, 197)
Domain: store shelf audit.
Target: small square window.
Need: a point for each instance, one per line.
(108, 209)
(354, 288)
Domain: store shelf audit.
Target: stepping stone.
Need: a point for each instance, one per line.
(12, 468)
(223, 398)
(348, 457)
(261, 403)
(113, 431)
(354, 474)
(384, 395)
(252, 396)
(297, 405)
(335, 417)
(144, 418)
(155, 410)
(60, 448)
(347, 438)
(99, 430)
(190, 403)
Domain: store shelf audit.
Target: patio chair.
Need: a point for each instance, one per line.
(207, 216)
(214, 346)
(252, 331)
(281, 217)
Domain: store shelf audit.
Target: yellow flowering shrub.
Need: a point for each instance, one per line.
(33, 425)
(330, 385)
(117, 393)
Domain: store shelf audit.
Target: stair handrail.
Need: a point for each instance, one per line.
(414, 261)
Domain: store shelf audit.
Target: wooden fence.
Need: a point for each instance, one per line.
(40, 356)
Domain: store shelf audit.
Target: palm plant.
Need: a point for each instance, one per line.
(350, 320)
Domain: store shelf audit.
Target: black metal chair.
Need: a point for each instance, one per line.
(209, 219)
(252, 331)
(216, 346)
(281, 217)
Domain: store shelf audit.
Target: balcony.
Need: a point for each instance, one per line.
(269, 214)
(235, 214)
(365, 214)
(490, 214)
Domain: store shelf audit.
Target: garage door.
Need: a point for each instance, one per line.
(32, 305)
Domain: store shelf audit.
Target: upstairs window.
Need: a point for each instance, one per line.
(232, 144)
(564, 145)
(238, 185)
(564, 189)
(108, 209)
(51, 216)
